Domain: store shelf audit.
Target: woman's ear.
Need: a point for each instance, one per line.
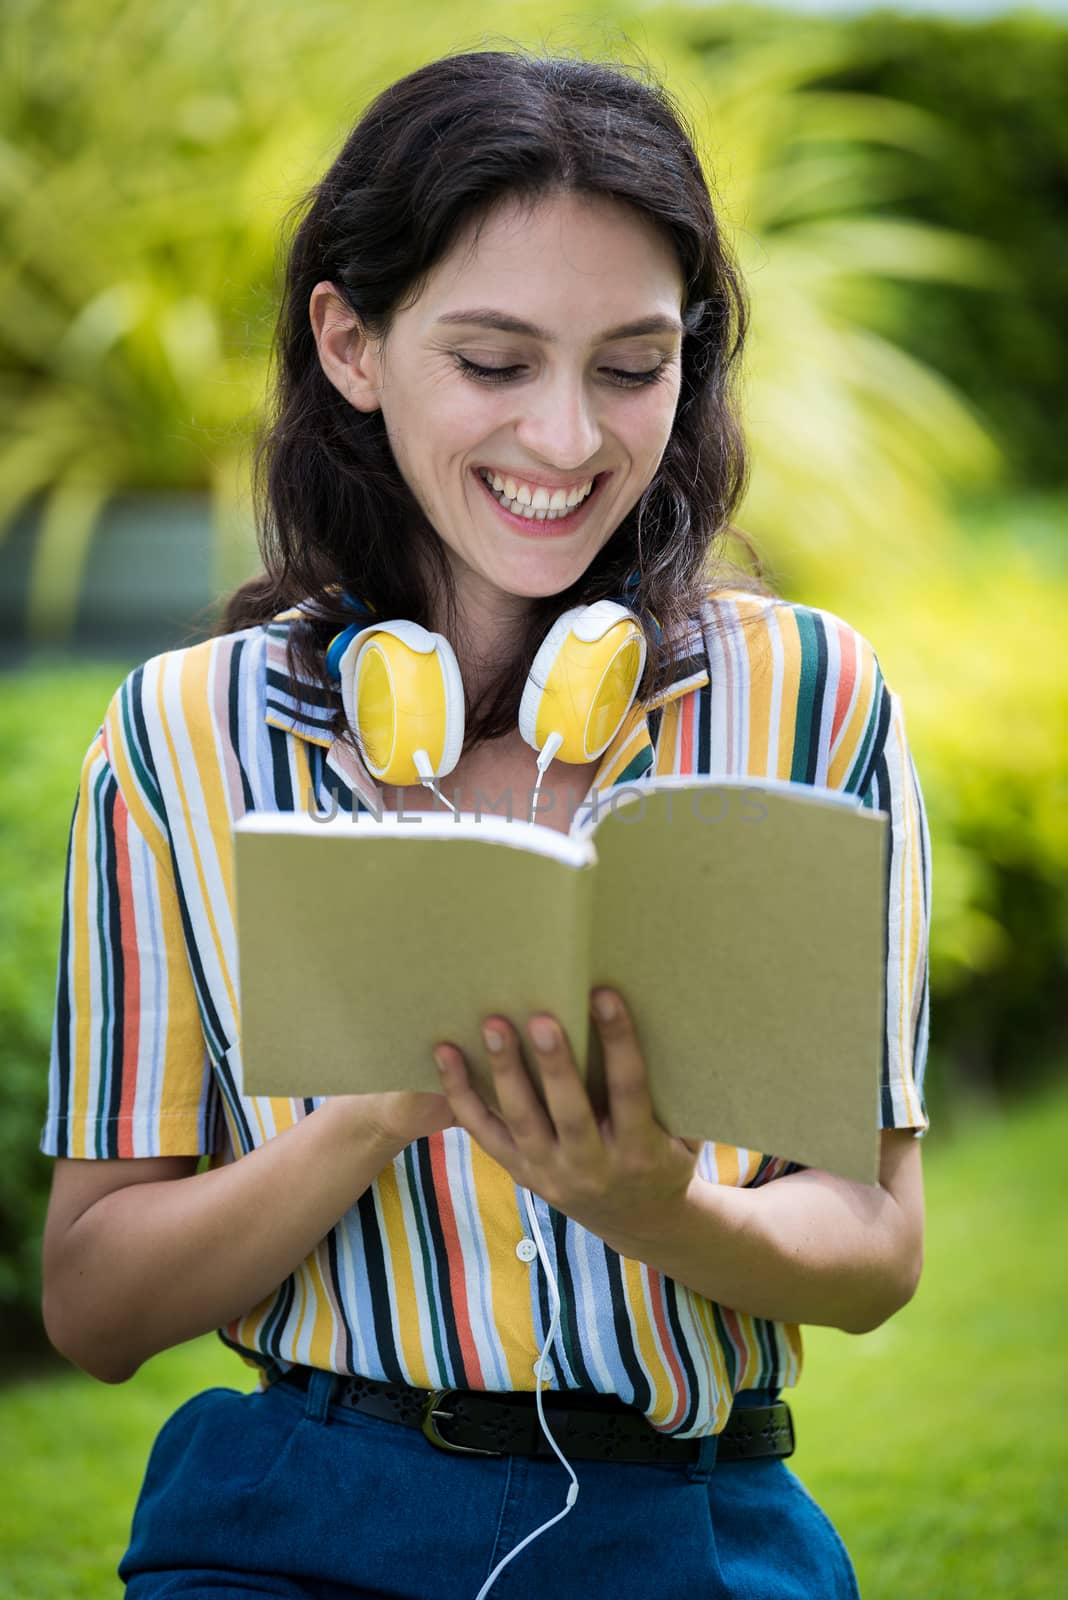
(347, 354)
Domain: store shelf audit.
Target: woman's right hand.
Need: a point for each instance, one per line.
(398, 1117)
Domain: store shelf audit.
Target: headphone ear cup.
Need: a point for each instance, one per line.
(453, 690)
(583, 680)
(402, 693)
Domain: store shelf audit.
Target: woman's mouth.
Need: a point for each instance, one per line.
(536, 509)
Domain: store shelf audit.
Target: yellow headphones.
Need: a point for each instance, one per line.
(403, 694)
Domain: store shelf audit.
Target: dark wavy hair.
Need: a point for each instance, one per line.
(429, 157)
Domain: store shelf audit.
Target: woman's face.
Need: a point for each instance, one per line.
(541, 357)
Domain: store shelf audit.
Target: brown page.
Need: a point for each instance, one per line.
(364, 943)
(745, 927)
(742, 922)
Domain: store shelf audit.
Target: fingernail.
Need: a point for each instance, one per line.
(604, 1006)
(440, 1062)
(543, 1033)
(494, 1038)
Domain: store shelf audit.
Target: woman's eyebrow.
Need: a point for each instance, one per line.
(504, 323)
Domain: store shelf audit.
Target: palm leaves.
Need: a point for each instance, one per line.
(856, 444)
(147, 156)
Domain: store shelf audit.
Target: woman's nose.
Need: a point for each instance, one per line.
(559, 424)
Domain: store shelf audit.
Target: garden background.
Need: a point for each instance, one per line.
(895, 188)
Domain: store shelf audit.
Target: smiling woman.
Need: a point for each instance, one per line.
(501, 461)
(570, 395)
(525, 270)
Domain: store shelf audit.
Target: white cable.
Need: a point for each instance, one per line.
(573, 1489)
(426, 777)
(545, 756)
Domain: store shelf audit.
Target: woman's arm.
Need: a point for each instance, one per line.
(809, 1247)
(149, 1265)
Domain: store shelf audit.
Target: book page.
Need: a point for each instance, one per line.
(361, 947)
(744, 926)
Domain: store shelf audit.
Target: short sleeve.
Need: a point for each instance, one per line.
(129, 1073)
(894, 788)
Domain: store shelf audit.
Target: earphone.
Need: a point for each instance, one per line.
(403, 694)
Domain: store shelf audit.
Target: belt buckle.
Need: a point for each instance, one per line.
(432, 1409)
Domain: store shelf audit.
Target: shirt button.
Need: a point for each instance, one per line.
(545, 1373)
(526, 1250)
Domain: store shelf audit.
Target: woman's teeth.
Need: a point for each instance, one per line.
(546, 505)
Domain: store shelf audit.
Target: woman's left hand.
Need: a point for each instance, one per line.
(623, 1177)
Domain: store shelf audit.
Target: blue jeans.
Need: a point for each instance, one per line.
(279, 1492)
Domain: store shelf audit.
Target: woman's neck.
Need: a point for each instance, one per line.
(488, 623)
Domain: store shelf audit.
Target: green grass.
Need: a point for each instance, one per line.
(75, 1458)
(936, 1443)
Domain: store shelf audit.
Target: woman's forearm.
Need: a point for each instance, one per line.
(807, 1248)
(154, 1264)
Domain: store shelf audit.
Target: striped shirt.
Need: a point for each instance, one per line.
(420, 1281)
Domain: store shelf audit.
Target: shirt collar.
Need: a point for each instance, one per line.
(311, 719)
(295, 702)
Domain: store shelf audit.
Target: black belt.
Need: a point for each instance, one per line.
(586, 1426)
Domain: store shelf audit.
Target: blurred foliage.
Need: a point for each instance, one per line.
(973, 640)
(849, 433)
(50, 717)
(1001, 84)
(147, 157)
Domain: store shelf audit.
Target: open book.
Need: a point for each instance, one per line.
(742, 921)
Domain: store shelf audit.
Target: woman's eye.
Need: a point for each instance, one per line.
(631, 380)
(616, 375)
(486, 374)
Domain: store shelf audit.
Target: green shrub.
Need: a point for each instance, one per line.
(50, 716)
(972, 637)
(999, 84)
(975, 120)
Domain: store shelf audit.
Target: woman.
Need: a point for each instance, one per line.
(506, 346)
